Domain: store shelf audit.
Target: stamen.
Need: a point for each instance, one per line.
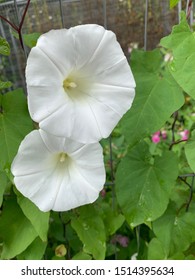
(72, 84)
(69, 84)
(63, 157)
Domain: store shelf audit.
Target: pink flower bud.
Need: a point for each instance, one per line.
(155, 138)
(121, 239)
(164, 134)
(184, 134)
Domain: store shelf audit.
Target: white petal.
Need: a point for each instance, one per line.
(41, 71)
(108, 52)
(86, 180)
(59, 46)
(87, 39)
(79, 124)
(103, 83)
(33, 156)
(43, 101)
(52, 184)
(117, 75)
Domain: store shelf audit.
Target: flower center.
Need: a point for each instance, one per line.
(77, 85)
(69, 84)
(63, 157)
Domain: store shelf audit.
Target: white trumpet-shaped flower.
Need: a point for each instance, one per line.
(57, 173)
(79, 83)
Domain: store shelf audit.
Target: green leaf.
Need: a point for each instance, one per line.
(173, 3)
(112, 220)
(30, 40)
(181, 42)
(90, 229)
(4, 47)
(156, 251)
(15, 123)
(157, 97)
(144, 184)
(4, 85)
(179, 33)
(82, 256)
(16, 231)
(190, 151)
(35, 250)
(175, 231)
(3, 184)
(38, 219)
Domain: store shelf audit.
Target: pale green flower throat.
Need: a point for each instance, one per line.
(63, 157)
(69, 84)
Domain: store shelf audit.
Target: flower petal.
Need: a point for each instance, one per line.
(107, 53)
(80, 124)
(87, 104)
(41, 71)
(59, 46)
(32, 157)
(52, 183)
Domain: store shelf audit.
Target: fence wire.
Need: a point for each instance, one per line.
(136, 23)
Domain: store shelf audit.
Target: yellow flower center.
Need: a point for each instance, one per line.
(63, 157)
(69, 84)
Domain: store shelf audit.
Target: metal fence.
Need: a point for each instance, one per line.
(135, 22)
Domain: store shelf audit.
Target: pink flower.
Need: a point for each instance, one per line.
(184, 134)
(156, 137)
(164, 134)
(121, 239)
(103, 193)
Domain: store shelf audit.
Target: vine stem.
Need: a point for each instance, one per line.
(18, 29)
(175, 143)
(191, 195)
(175, 115)
(189, 8)
(187, 175)
(191, 186)
(64, 235)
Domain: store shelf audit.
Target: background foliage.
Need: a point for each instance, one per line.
(146, 209)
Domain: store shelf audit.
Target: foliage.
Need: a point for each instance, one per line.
(4, 50)
(148, 208)
(173, 3)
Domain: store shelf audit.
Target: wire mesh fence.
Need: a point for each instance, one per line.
(129, 19)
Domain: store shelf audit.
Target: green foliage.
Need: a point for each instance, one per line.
(181, 43)
(144, 192)
(152, 188)
(4, 50)
(30, 40)
(90, 229)
(112, 220)
(82, 256)
(155, 90)
(34, 251)
(190, 152)
(4, 85)
(16, 231)
(173, 3)
(175, 232)
(4, 47)
(15, 123)
(39, 220)
(3, 184)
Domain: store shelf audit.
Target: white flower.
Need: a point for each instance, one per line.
(58, 173)
(79, 83)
